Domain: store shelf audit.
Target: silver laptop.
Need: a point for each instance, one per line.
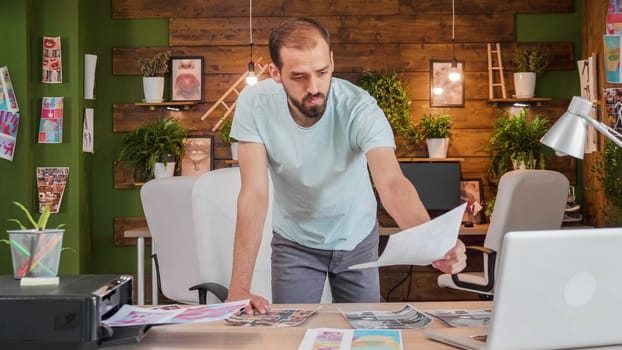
(556, 289)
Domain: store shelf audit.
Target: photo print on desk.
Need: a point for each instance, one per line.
(187, 81)
(52, 64)
(51, 125)
(9, 123)
(472, 192)
(51, 182)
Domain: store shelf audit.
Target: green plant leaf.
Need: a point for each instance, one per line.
(21, 226)
(43, 219)
(32, 221)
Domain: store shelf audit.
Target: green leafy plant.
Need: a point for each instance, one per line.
(160, 141)
(515, 138)
(40, 224)
(530, 59)
(435, 126)
(225, 130)
(156, 66)
(608, 172)
(392, 98)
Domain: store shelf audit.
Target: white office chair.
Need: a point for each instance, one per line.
(192, 225)
(526, 200)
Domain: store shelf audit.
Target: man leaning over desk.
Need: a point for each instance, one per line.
(317, 135)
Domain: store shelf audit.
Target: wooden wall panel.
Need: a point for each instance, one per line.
(312, 8)
(491, 7)
(347, 29)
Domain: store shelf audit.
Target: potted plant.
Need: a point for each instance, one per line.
(226, 137)
(515, 141)
(528, 62)
(608, 171)
(35, 252)
(393, 99)
(435, 129)
(153, 70)
(154, 149)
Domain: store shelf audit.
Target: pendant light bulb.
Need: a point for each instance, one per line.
(454, 72)
(251, 77)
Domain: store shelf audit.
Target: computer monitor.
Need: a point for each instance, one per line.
(437, 183)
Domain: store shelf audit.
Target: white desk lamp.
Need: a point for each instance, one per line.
(567, 135)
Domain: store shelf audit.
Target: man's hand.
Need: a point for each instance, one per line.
(454, 260)
(257, 304)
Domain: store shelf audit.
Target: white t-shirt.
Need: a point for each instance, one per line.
(323, 196)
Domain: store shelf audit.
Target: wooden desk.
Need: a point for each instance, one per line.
(216, 335)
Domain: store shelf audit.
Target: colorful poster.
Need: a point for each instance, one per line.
(87, 131)
(611, 57)
(8, 133)
(52, 63)
(8, 101)
(51, 125)
(614, 18)
(51, 183)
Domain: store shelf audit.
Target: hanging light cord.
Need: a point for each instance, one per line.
(250, 26)
(453, 24)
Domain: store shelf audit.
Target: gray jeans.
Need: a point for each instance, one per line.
(299, 272)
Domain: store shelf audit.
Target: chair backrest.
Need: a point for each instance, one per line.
(214, 199)
(167, 204)
(527, 200)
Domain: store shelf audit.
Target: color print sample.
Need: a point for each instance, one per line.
(51, 186)
(52, 64)
(8, 134)
(8, 101)
(51, 125)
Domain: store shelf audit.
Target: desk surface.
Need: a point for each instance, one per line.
(216, 335)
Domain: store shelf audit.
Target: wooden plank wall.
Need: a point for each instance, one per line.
(401, 35)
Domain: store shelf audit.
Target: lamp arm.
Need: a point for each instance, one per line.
(604, 129)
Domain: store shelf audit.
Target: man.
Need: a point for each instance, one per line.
(316, 135)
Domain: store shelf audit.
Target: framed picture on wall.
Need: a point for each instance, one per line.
(443, 91)
(187, 79)
(199, 155)
(472, 192)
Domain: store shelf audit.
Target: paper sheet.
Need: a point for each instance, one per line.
(423, 244)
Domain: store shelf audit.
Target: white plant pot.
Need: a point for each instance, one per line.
(234, 150)
(153, 87)
(437, 147)
(160, 170)
(525, 84)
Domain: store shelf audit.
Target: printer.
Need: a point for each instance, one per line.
(66, 315)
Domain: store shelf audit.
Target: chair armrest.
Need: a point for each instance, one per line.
(490, 271)
(221, 292)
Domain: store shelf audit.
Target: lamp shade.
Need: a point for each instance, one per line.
(567, 135)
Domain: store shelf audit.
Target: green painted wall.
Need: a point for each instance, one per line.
(90, 202)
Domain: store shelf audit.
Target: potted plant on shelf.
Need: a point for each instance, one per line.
(608, 171)
(435, 129)
(528, 62)
(515, 142)
(35, 252)
(154, 149)
(391, 95)
(226, 137)
(154, 70)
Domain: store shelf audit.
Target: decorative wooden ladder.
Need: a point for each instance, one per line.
(495, 65)
(236, 87)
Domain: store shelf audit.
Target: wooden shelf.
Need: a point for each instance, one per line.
(175, 104)
(421, 159)
(538, 101)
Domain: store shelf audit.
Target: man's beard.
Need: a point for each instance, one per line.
(310, 112)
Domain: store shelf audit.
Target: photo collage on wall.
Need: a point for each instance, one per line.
(52, 62)
(51, 125)
(9, 118)
(51, 182)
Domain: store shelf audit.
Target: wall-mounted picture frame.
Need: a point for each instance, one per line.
(443, 91)
(199, 157)
(472, 192)
(187, 79)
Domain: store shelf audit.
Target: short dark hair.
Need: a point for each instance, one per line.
(295, 34)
